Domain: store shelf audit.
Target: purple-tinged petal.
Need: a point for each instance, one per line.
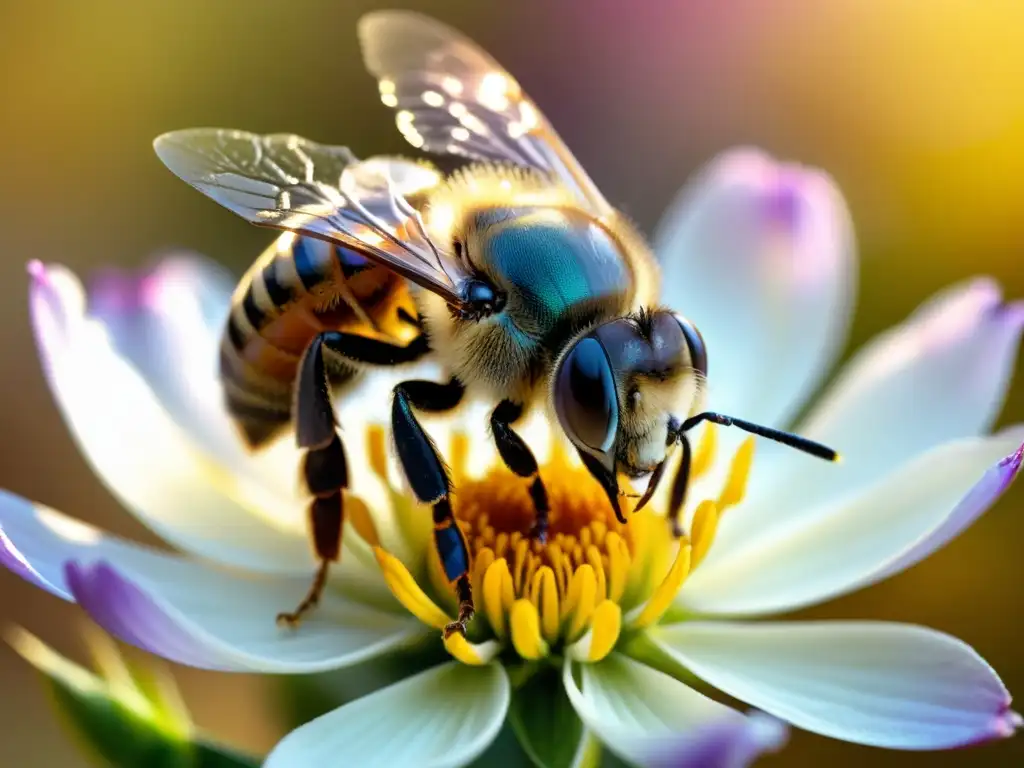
(941, 375)
(189, 612)
(15, 562)
(859, 539)
(142, 454)
(986, 492)
(166, 321)
(729, 743)
(760, 256)
(130, 614)
(887, 685)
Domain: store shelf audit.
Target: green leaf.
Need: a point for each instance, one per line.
(131, 717)
(208, 755)
(121, 732)
(544, 720)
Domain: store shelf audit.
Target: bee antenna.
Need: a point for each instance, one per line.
(786, 438)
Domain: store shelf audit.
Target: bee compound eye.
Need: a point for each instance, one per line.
(695, 345)
(585, 397)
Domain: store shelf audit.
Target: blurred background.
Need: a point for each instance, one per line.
(917, 109)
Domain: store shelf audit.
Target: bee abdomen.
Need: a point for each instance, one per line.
(292, 293)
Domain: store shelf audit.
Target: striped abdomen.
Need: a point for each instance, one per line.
(298, 288)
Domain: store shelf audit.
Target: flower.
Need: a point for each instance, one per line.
(603, 632)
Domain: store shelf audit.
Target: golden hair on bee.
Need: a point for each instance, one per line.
(482, 186)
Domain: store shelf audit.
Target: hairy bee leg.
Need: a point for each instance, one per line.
(362, 349)
(677, 499)
(520, 459)
(608, 480)
(324, 470)
(428, 477)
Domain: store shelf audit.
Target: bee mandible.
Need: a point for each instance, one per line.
(526, 285)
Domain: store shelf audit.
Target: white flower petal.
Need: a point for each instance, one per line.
(859, 539)
(888, 685)
(646, 717)
(187, 612)
(167, 322)
(760, 255)
(445, 716)
(941, 375)
(142, 455)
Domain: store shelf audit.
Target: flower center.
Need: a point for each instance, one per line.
(496, 514)
(574, 593)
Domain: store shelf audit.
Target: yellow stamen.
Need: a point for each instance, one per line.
(704, 456)
(357, 513)
(618, 565)
(481, 563)
(663, 595)
(602, 636)
(377, 451)
(498, 595)
(570, 594)
(458, 455)
(702, 530)
(525, 629)
(583, 597)
(544, 595)
(594, 561)
(739, 472)
(473, 654)
(404, 587)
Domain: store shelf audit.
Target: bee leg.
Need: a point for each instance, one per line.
(520, 459)
(374, 352)
(607, 478)
(678, 497)
(324, 470)
(428, 477)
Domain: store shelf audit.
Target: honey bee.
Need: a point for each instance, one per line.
(523, 282)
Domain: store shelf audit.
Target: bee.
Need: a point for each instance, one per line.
(527, 286)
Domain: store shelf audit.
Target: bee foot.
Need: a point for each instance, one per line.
(455, 626)
(677, 530)
(539, 532)
(292, 619)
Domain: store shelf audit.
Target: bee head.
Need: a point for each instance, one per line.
(618, 388)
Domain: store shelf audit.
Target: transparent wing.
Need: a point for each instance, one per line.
(287, 182)
(453, 98)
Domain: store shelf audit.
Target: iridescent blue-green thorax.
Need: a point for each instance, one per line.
(558, 267)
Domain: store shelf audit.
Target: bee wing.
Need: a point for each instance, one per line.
(453, 98)
(287, 182)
